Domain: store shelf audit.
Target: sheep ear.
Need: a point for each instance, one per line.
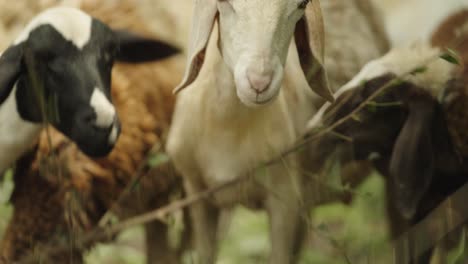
(310, 37)
(136, 49)
(10, 68)
(204, 16)
(412, 161)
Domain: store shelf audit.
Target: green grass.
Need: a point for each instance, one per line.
(6, 188)
(128, 248)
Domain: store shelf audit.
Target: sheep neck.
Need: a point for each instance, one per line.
(21, 134)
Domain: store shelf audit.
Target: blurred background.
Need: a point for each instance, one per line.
(354, 233)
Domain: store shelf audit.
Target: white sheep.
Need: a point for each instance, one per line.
(69, 55)
(246, 101)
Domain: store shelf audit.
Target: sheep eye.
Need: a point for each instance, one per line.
(303, 4)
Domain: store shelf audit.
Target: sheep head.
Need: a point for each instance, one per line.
(70, 56)
(405, 125)
(254, 37)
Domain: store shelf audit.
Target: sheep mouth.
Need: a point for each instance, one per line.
(264, 101)
(93, 141)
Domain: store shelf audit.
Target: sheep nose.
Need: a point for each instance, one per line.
(259, 81)
(87, 118)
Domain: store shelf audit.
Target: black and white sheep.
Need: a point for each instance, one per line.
(68, 56)
(50, 205)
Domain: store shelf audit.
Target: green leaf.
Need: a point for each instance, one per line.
(393, 83)
(355, 117)
(371, 108)
(384, 104)
(322, 227)
(451, 56)
(374, 156)
(419, 70)
(158, 159)
(363, 82)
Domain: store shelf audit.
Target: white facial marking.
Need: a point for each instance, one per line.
(105, 111)
(113, 135)
(73, 24)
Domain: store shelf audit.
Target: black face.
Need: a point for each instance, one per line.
(69, 76)
(74, 82)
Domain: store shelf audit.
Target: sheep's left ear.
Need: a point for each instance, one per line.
(135, 49)
(412, 161)
(310, 37)
(10, 68)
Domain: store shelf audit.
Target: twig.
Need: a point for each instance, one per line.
(140, 173)
(104, 233)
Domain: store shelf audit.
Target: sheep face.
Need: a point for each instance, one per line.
(254, 40)
(78, 80)
(68, 56)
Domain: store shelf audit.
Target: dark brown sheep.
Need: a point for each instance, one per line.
(414, 133)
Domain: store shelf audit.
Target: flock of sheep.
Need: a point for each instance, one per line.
(296, 83)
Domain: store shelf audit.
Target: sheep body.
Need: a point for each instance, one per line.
(227, 124)
(243, 137)
(432, 112)
(235, 114)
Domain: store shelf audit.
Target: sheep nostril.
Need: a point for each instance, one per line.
(88, 119)
(259, 81)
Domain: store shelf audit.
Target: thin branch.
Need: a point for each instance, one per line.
(140, 173)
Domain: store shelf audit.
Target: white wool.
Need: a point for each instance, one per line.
(18, 135)
(435, 74)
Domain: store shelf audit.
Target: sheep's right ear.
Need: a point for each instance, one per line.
(412, 161)
(310, 42)
(204, 16)
(10, 68)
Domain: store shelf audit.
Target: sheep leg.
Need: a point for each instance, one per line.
(286, 222)
(157, 244)
(204, 220)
